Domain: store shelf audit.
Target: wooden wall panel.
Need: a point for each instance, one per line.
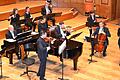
(5, 2)
(118, 9)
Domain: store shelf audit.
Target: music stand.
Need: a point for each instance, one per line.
(60, 51)
(89, 39)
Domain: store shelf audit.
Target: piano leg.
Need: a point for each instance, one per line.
(10, 58)
(75, 63)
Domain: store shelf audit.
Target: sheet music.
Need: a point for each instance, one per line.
(10, 40)
(62, 47)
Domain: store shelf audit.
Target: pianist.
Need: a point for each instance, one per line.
(46, 10)
(10, 37)
(11, 34)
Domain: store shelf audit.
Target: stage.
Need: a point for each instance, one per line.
(106, 68)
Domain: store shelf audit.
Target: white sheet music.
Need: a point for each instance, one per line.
(62, 47)
(10, 40)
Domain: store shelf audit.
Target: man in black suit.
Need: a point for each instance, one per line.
(46, 10)
(104, 30)
(59, 33)
(42, 50)
(118, 33)
(42, 25)
(91, 21)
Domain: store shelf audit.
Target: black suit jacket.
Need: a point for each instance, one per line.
(43, 10)
(91, 21)
(106, 30)
(57, 32)
(41, 47)
(9, 35)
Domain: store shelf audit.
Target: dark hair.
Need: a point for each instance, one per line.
(26, 8)
(60, 23)
(103, 23)
(15, 9)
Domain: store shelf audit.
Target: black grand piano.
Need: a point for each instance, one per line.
(73, 50)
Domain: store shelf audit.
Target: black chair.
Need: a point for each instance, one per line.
(27, 61)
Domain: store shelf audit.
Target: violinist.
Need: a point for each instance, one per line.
(28, 19)
(46, 10)
(102, 29)
(60, 31)
(15, 20)
(42, 52)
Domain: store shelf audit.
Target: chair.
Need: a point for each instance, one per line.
(27, 61)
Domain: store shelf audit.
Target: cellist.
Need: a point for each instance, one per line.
(102, 29)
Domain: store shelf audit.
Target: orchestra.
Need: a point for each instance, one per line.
(57, 34)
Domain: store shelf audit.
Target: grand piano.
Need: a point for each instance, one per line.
(73, 50)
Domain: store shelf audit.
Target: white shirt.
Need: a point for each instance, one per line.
(61, 31)
(12, 34)
(101, 30)
(47, 10)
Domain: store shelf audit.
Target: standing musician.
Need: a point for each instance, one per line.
(118, 33)
(102, 29)
(28, 19)
(91, 22)
(15, 20)
(46, 10)
(42, 50)
(42, 24)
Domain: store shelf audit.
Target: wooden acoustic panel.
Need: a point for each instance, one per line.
(6, 2)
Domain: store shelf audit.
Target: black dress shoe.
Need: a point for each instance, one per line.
(38, 74)
(43, 79)
(104, 55)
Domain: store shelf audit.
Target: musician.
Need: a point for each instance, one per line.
(104, 30)
(47, 9)
(42, 24)
(91, 21)
(60, 31)
(28, 19)
(118, 33)
(15, 20)
(42, 49)
(11, 34)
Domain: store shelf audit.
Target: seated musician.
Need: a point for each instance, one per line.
(11, 34)
(28, 19)
(91, 21)
(47, 9)
(42, 24)
(102, 29)
(60, 31)
(118, 33)
(15, 20)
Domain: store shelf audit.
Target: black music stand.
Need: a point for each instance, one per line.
(61, 51)
(89, 39)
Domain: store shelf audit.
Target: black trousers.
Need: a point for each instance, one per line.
(31, 25)
(42, 68)
(119, 43)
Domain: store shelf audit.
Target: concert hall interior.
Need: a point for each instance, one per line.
(59, 39)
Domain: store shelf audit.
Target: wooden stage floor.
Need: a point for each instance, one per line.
(104, 69)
